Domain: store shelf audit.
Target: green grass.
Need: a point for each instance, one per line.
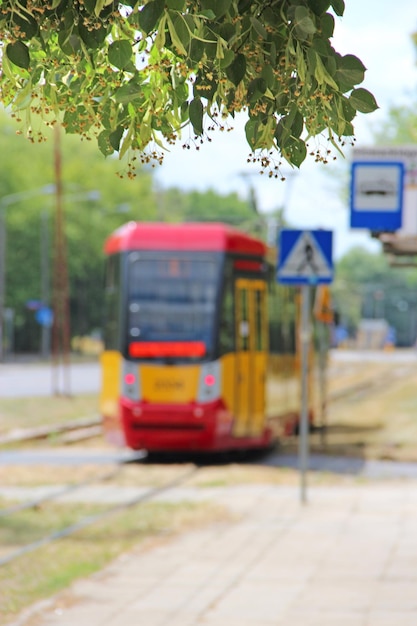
(33, 412)
(52, 568)
(32, 524)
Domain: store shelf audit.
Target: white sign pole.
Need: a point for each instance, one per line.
(305, 336)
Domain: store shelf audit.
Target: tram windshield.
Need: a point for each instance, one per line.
(172, 304)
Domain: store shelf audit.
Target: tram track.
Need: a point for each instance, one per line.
(369, 384)
(55, 495)
(85, 521)
(66, 433)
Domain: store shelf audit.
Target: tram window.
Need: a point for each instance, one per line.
(111, 303)
(227, 319)
(243, 328)
(259, 321)
(172, 298)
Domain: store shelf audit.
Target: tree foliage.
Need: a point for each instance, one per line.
(399, 127)
(366, 286)
(135, 74)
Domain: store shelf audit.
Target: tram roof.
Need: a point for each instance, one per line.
(203, 236)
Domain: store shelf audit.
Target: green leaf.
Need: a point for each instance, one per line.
(72, 121)
(120, 53)
(256, 89)
(160, 38)
(222, 7)
(297, 125)
(349, 130)
(259, 28)
(273, 53)
(196, 111)
(301, 63)
(243, 6)
(18, 53)
(362, 100)
(322, 75)
(303, 24)
(348, 111)
(350, 71)
(282, 132)
(237, 69)
(218, 7)
(252, 133)
(100, 4)
(227, 31)
(26, 23)
(69, 43)
(176, 5)
(319, 6)
(228, 57)
(327, 25)
(196, 50)
(209, 14)
(93, 38)
(296, 152)
(312, 57)
(115, 138)
(150, 15)
(182, 30)
(128, 92)
(268, 75)
(204, 87)
(176, 37)
(104, 144)
(338, 7)
(24, 97)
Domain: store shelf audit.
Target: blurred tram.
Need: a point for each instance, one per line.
(200, 351)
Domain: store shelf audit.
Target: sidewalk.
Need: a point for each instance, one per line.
(347, 558)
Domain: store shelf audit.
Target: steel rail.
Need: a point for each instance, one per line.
(93, 519)
(371, 385)
(44, 432)
(32, 504)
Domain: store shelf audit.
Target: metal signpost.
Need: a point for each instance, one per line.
(305, 259)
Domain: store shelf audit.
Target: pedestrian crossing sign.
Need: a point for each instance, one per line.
(305, 257)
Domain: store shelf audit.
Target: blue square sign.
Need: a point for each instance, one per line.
(305, 257)
(376, 195)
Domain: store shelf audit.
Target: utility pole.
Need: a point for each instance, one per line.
(253, 201)
(45, 295)
(61, 323)
(2, 278)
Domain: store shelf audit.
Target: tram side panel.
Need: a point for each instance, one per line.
(284, 366)
(283, 378)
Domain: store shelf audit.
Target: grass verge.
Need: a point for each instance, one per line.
(20, 413)
(54, 567)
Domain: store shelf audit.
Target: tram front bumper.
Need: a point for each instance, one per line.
(182, 427)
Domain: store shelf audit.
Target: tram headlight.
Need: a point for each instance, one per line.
(210, 380)
(130, 380)
(209, 383)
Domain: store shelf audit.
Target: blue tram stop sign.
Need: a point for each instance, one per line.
(44, 316)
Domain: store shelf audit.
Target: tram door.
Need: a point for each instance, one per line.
(251, 357)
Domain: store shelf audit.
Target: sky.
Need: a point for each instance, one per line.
(315, 196)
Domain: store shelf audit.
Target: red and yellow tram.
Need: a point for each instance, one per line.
(199, 340)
